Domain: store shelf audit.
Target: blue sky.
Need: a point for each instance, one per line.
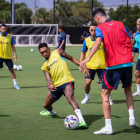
(49, 3)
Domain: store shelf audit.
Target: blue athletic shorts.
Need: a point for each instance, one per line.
(60, 90)
(112, 78)
(135, 50)
(8, 62)
(138, 65)
(100, 73)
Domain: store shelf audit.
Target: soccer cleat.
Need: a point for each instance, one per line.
(46, 113)
(84, 101)
(104, 131)
(133, 124)
(136, 94)
(16, 87)
(82, 125)
(100, 82)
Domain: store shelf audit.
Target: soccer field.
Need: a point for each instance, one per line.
(19, 109)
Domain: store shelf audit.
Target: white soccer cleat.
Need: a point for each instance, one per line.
(104, 131)
(84, 101)
(133, 124)
(111, 103)
(136, 94)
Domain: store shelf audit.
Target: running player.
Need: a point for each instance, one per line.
(6, 44)
(136, 38)
(62, 38)
(97, 63)
(119, 64)
(62, 82)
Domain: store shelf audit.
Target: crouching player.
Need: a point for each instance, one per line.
(62, 82)
(97, 63)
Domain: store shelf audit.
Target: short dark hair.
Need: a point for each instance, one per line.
(61, 27)
(41, 45)
(93, 24)
(3, 25)
(99, 11)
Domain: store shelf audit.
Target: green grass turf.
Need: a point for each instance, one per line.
(19, 109)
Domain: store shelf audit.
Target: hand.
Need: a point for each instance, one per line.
(86, 71)
(15, 57)
(52, 88)
(80, 69)
(83, 63)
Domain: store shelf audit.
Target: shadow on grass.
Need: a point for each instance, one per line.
(134, 131)
(92, 118)
(4, 115)
(5, 76)
(34, 87)
(122, 101)
(58, 117)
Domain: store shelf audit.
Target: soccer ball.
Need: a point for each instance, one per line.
(32, 50)
(71, 122)
(20, 67)
(14, 67)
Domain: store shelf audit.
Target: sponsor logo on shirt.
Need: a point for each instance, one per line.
(48, 67)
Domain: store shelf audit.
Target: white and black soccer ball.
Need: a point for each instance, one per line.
(71, 122)
(32, 50)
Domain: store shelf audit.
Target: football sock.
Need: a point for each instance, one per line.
(79, 115)
(131, 114)
(15, 81)
(138, 87)
(108, 123)
(87, 95)
(52, 112)
(110, 98)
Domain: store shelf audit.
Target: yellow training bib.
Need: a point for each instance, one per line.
(57, 69)
(5, 47)
(97, 61)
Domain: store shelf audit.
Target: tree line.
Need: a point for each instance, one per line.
(73, 13)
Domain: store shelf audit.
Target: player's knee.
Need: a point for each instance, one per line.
(88, 82)
(137, 74)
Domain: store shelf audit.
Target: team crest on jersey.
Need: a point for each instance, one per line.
(48, 68)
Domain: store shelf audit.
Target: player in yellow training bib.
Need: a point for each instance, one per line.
(97, 63)
(6, 46)
(59, 80)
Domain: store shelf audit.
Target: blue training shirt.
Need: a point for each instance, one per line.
(136, 50)
(99, 33)
(62, 37)
(12, 39)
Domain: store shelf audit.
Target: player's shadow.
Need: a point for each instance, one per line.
(92, 118)
(4, 116)
(134, 131)
(94, 102)
(58, 117)
(34, 87)
(5, 76)
(121, 101)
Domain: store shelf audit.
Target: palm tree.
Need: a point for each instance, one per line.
(24, 13)
(63, 9)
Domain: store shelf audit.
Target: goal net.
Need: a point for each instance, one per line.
(33, 34)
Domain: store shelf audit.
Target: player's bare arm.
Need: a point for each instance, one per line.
(63, 42)
(82, 58)
(74, 60)
(51, 87)
(133, 43)
(94, 48)
(14, 51)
